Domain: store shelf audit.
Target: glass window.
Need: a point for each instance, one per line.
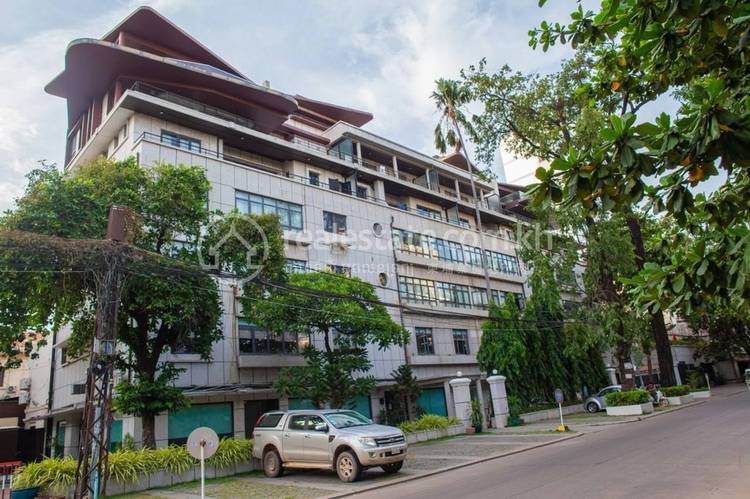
(339, 269)
(316, 423)
(181, 141)
(314, 178)
(269, 420)
(425, 345)
(290, 214)
(295, 266)
(473, 256)
(479, 297)
(346, 419)
(417, 290)
(461, 341)
(297, 422)
(333, 222)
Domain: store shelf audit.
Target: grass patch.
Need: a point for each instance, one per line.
(231, 487)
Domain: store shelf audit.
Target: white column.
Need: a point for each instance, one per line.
(462, 399)
(378, 187)
(458, 188)
(131, 425)
(499, 400)
(395, 166)
(161, 430)
(612, 376)
(449, 399)
(238, 418)
(359, 153)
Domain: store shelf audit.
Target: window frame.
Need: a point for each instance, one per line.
(424, 347)
(461, 337)
(256, 204)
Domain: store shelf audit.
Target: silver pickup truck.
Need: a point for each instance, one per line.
(340, 440)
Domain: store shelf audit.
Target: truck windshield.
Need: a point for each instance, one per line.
(346, 419)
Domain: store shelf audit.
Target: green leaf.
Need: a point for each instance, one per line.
(678, 283)
(541, 173)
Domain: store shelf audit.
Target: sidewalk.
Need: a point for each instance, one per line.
(423, 459)
(582, 422)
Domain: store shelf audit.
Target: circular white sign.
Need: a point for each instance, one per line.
(205, 437)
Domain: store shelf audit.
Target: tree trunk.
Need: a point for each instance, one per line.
(148, 423)
(658, 328)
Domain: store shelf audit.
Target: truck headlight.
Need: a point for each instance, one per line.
(368, 441)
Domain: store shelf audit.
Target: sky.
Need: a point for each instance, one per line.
(382, 56)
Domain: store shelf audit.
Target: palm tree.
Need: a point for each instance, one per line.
(449, 97)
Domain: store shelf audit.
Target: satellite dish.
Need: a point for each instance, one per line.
(202, 437)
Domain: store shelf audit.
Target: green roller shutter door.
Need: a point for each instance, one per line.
(215, 416)
(361, 405)
(115, 435)
(297, 404)
(432, 401)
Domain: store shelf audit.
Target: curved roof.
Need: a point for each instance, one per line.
(91, 65)
(335, 112)
(144, 22)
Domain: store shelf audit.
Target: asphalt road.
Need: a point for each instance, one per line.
(700, 451)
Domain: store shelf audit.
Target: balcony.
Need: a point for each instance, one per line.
(166, 95)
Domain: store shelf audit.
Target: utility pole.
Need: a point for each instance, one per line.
(97, 412)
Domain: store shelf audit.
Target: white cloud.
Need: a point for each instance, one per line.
(381, 56)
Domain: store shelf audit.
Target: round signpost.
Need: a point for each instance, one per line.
(559, 397)
(202, 444)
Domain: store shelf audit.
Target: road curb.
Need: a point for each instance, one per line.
(454, 467)
(648, 416)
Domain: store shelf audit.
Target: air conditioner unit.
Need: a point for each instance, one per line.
(11, 389)
(25, 384)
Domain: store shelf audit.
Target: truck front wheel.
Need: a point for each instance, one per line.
(392, 467)
(272, 464)
(348, 467)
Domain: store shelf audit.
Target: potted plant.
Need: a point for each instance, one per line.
(631, 403)
(476, 416)
(677, 395)
(698, 385)
(514, 407)
(54, 475)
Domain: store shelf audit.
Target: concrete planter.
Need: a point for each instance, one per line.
(631, 410)
(530, 417)
(703, 394)
(163, 479)
(424, 436)
(682, 399)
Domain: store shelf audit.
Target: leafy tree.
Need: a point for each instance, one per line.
(344, 314)
(571, 115)
(160, 310)
(502, 347)
(449, 97)
(544, 347)
(698, 51)
(407, 392)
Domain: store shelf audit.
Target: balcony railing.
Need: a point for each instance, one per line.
(387, 170)
(166, 95)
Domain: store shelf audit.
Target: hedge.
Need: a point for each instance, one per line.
(675, 391)
(428, 422)
(633, 397)
(129, 466)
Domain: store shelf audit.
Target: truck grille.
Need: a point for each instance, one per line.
(391, 440)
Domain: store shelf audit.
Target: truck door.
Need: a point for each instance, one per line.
(293, 438)
(316, 440)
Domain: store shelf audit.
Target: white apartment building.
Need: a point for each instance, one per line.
(349, 201)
